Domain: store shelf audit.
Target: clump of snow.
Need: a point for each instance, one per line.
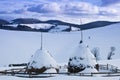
(75, 29)
(42, 58)
(83, 59)
(52, 70)
(59, 28)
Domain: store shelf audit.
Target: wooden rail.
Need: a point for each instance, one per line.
(101, 67)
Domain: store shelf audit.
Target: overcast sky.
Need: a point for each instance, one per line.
(66, 10)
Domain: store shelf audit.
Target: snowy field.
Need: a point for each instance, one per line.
(67, 77)
(60, 77)
(21, 45)
(18, 47)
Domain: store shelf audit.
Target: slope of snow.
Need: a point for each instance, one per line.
(59, 28)
(75, 29)
(17, 46)
(104, 38)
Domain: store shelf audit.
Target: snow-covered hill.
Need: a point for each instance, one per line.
(17, 47)
(36, 25)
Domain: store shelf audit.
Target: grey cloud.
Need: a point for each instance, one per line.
(109, 2)
(76, 8)
(80, 9)
(20, 11)
(3, 12)
(65, 8)
(105, 13)
(37, 9)
(45, 8)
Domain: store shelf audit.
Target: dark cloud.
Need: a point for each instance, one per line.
(3, 12)
(37, 9)
(19, 11)
(109, 2)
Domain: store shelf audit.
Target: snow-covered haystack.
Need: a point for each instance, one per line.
(83, 60)
(42, 62)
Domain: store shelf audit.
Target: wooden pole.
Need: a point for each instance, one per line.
(41, 41)
(81, 32)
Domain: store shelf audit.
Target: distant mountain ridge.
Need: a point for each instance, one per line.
(3, 22)
(96, 24)
(33, 21)
(25, 21)
(19, 21)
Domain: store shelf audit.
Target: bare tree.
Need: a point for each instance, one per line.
(111, 53)
(96, 53)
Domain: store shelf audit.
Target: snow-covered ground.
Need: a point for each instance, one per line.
(66, 77)
(21, 45)
(17, 47)
(60, 77)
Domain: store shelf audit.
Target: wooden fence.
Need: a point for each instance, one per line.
(114, 71)
(109, 67)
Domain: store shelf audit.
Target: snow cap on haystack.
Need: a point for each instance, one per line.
(42, 59)
(82, 59)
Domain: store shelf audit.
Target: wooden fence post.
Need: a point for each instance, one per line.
(107, 66)
(91, 74)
